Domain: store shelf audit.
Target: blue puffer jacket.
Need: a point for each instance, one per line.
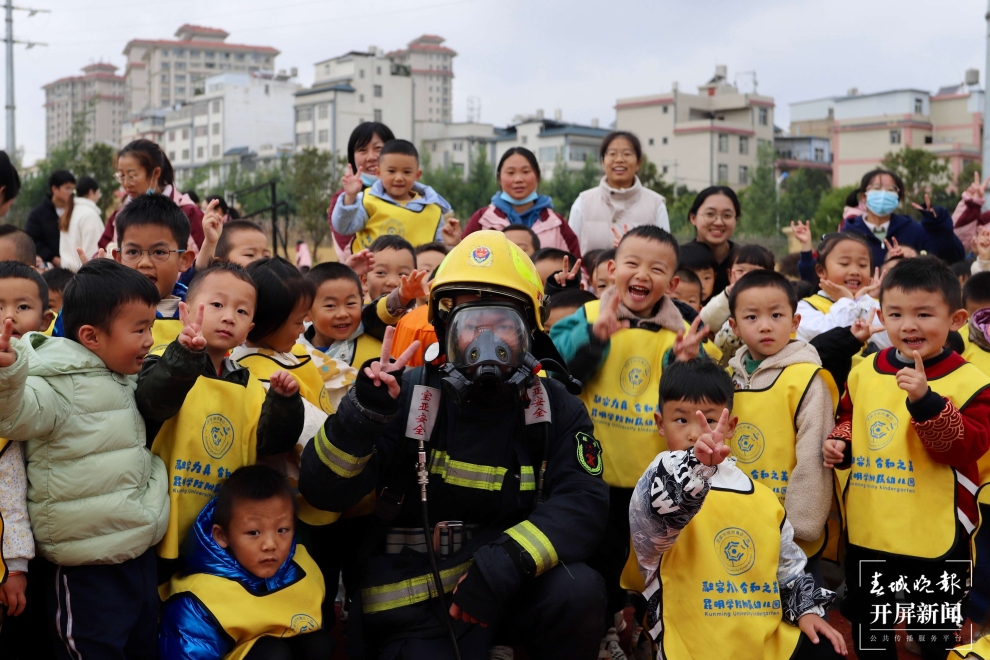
(934, 235)
(187, 630)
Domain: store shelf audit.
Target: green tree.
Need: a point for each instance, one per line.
(651, 177)
(801, 196)
(922, 172)
(565, 185)
(677, 212)
(828, 215)
(311, 188)
(97, 162)
(759, 199)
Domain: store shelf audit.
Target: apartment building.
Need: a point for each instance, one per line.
(431, 65)
(550, 140)
(98, 93)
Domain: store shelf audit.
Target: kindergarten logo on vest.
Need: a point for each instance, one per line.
(392, 227)
(747, 443)
(218, 435)
(635, 376)
(302, 624)
(736, 550)
(882, 426)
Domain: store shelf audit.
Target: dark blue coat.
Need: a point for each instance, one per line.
(934, 235)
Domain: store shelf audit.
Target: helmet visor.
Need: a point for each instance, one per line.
(487, 338)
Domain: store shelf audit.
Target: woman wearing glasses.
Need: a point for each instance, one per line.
(143, 168)
(714, 214)
(883, 192)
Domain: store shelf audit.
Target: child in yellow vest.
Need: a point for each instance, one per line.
(618, 346)
(976, 297)
(207, 415)
(785, 403)
(247, 591)
(912, 425)
(724, 577)
(395, 204)
(56, 279)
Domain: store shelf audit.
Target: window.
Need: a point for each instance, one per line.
(764, 117)
(200, 131)
(819, 155)
(171, 136)
(723, 173)
(523, 140)
(199, 152)
(581, 153)
(723, 143)
(743, 175)
(378, 70)
(165, 78)
(743, 145)
(216, 106)
(918, 106)
(179, 52)
(895, 136)
(216, 129)
(548, 154)
(360, 73)
(164, 66)
(171, 155)
(185, 136)
(210, 65)
(180, 91)
(664, 169)
(651, 142)
(210, 55)
(378, 91)
(665, 109)
(194, 53)
(326, 69)
(180, 65)
(663, 141)
(216, 150)
(322, 110)
(304, 139)
(185, 154)
(928, 139)
(360, 98)
(239, 57)
(180, 77)
(304, 114)
(323, 136)
(378, 115)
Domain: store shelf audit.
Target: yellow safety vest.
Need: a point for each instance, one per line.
(980, 649)
(719, 580)
(899, 500)
(765, 438)
(820, 302)
(287, 612)
(51, 326)
(214, 433)
(974, 354)
(164, 332)
(623, 415)
(367, 348)
(4, 445)
(387, 218)
(262, 365)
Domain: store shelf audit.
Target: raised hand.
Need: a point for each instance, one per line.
(413, 286)
(608, 322)
(7, 354)
(212, 223)
(982, 244)
(802, 232)
(863, 329)
(283, 384)
(833, 451)
(451, 232)
(835, 291)
(352, 185)
(84, 258)
(381, 370)
(617, 236)
(873, 288)
(564, 276)
(710, 447)
(191, 336)
(360, 262)
(927, 208)
(687, 345)
(893, 248)
(913, 379)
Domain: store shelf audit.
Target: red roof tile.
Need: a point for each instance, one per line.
(214, 45)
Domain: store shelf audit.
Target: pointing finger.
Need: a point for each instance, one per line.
(919, 364)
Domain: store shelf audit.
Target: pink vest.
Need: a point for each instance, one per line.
(548, 231)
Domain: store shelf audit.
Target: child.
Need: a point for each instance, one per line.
(207, 415)
(242, 242)
(394, 258)
(698, 258)
(844, 266)
(551, 260)
(600, 279)
(785, 403)
(688, 289)
(524, 237)
(562, 304)
(247, 590)
(713, 543)
(618, 347)
(976, 297)
(98, 498)
(396, 204)
(56, 279)
(961, 269)
(429, 256)
(337, 331)
(23, 300)
(16, 245)
(916, 418)
(152, 233)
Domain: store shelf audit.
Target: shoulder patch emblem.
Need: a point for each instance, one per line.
(589, 453)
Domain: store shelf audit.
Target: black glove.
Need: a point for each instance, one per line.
(475, 597)
(372, 398)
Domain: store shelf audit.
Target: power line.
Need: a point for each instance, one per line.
(9, 41)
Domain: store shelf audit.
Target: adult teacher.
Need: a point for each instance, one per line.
(42, 222)
(715, 214)
(619, 201)
(519, 203)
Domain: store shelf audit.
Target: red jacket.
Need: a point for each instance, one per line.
(573, 246)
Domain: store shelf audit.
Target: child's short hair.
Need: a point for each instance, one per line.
(695, 257)
(788, 266)
(545, 254)
(573, 297)
(156, 210)
(393, 242)
(753, 255)
(231, 228)
(403, 147)
(962, 269)
(17, 270)
(216, 268)
(701, 380)
(94, 296)
(977, 289)
(830, 241)
(435, 246)
(651, 233)
(532, 234)
(929, 274)
(603, 257)
(57, 278)
(22, 242)
(688, 277)
(281, 288)
(333, 270)
(254, 483)
(803, 288)
(762, 279)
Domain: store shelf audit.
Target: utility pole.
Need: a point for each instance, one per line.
(11, 134)
(986, 108)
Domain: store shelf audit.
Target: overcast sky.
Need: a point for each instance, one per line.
(520, 55)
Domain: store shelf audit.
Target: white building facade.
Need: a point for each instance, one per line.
(431, 65)
(98, 94)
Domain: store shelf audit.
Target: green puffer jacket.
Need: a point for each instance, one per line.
(96, 495)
